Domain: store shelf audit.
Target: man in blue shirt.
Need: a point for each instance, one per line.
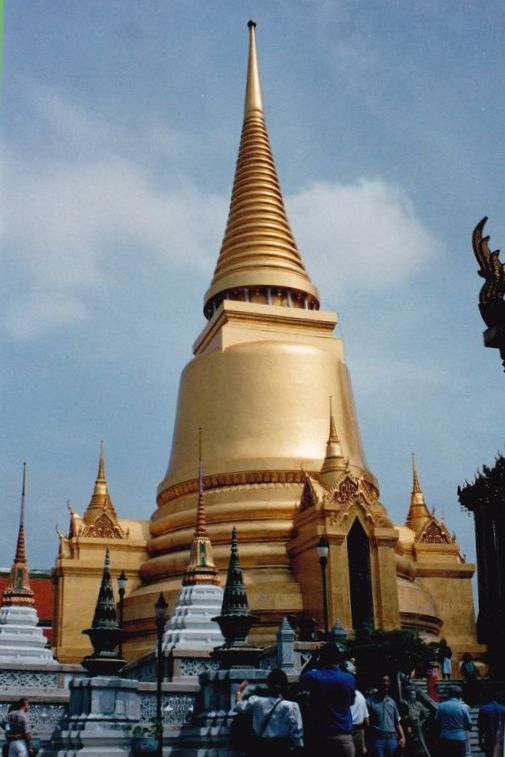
(386, 732)
(331, 694)
(453, 719)
(491, 722)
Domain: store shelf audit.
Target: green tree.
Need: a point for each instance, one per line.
(378, 652)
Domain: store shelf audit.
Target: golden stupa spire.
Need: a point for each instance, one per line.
(18, 591)
(418, 511)
(259, 260)
(201, 568)
(100, 499)
(334, 461)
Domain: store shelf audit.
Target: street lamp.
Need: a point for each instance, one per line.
(160, 609)
(121, 582)
(323, 549)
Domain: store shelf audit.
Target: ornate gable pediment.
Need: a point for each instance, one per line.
(103, 528)
(435, 532)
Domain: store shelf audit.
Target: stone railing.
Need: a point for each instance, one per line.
(177, 704)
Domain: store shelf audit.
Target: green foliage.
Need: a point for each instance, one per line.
(378, 652)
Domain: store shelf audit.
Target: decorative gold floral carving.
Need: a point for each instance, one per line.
(434, 533)
(103, 528)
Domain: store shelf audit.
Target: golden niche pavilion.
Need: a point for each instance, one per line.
(282, 462)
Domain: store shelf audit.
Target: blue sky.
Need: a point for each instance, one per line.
(120, 132)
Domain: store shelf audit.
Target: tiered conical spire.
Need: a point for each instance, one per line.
(334, 461)
(104, 633)
(201, 568)
(235, 620)
(259, 260)
(235, 597)
(105, 611)
(18, 591)
(418, 511)
(100, 499)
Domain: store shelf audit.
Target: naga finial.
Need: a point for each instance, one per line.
(491, 296)
(491, 268)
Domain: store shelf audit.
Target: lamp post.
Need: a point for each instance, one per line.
(121, 582)
(323, 549)
(160, 609)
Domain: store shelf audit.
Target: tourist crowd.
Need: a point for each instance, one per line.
(327, 715)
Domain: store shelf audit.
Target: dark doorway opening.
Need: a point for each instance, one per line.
(360, 577)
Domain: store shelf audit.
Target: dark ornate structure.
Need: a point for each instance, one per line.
(105, 633)
(235, 620)
(491, 296)
(485, 497)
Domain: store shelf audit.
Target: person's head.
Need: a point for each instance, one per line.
(329, 655)
(454, 692)
(277, 682)
(410, 694)
(22, 705)
(385, 683)
(466, 657)
(443, 643)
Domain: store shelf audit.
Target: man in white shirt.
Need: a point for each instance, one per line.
(277, 722)
(360, 721)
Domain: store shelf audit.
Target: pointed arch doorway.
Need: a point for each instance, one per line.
(360, 576)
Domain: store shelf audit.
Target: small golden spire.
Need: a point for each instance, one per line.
(416, 488)
(259, 260)
(201, 568)
(253, 99)
(333, 436)
(101, 464)
(18, 591)
(100, 499)
(418, 511)
(334, 462)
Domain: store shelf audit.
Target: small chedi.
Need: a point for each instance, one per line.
(21, 638)
(191, 625)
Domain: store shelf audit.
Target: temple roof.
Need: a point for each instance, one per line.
(258, 248)
(487, 489)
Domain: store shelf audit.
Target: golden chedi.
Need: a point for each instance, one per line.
(258, 385)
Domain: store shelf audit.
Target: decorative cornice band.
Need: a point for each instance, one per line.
(233, 480)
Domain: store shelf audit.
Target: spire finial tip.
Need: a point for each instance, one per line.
(251, 24)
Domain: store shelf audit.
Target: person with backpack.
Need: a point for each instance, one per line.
(276, 722)
(470, 674)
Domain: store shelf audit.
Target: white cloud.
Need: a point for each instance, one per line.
(72, 224)
(68, 226)
(364, 234)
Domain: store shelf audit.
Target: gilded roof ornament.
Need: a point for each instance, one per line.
(100, 519)
(418, 514)
(259, 260)
(334, 462)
